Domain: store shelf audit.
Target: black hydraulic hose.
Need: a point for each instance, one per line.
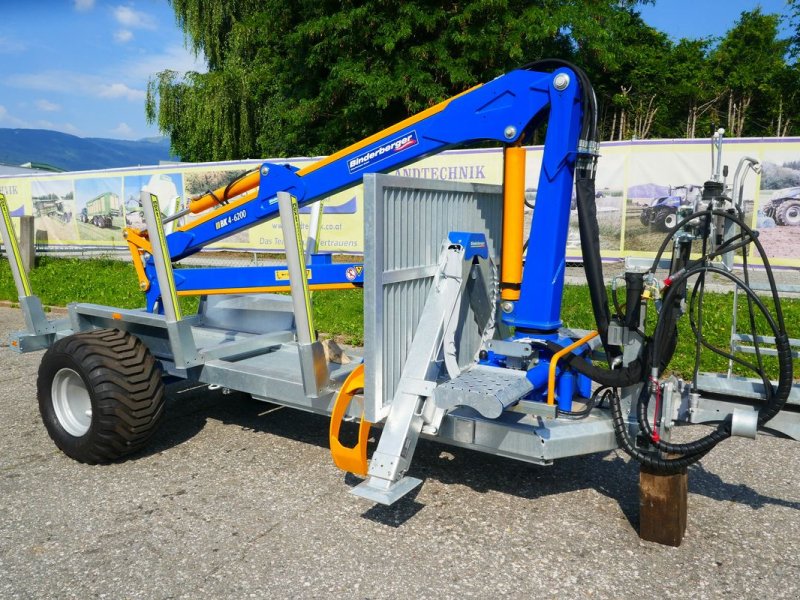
(697, 326)
(693, 451)
(667, 466)
(753, 328)
(776, 402)
(746, 230)
(634, 287)
(633, 373)
(592, 264)
(702, 445)
(585, 195)
(777, 325)
(740, 361)
(758, 369)
(588, 98)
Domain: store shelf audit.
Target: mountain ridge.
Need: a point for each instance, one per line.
(73, 153)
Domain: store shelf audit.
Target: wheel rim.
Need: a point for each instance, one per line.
(670, 221)
(71, 402)
(793, 215)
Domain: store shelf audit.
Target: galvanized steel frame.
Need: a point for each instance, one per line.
(405, 222)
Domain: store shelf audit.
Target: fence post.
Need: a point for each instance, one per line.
(27, 237)
(663, 508)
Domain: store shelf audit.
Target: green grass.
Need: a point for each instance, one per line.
(339, 314)
(60, 281)
(718, 308)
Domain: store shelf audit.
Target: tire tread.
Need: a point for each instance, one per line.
(125, 383)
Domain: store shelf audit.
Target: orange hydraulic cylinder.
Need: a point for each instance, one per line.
(210, 199)
(513, 221)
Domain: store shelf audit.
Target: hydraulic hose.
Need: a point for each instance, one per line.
(667, 466)
(696, 447)
(775, 400)
(586, 204)
(660, 347)
(592, 264)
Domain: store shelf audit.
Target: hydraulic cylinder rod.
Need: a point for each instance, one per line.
(513, 221)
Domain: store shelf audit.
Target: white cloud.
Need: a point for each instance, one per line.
(83, 5)
(10, 46)
(47, 106)
(175, 58)
(45, 124)
(123, 36)
(70, 128)
(69, 82)
(122, 130)
(134, 19)
(119, 90)
(7, 119)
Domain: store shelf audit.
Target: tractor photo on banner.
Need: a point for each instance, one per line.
(779, 203)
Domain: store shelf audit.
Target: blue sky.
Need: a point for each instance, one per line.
(703, 18)
(81, 66)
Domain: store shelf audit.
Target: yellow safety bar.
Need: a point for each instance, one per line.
(551, 379)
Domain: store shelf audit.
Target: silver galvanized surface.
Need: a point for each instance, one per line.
(489, 390)
(290, 226)
(405, 223)
(740, 387)
(409, 413)
(253, 313)
(527, 437)
(237, 499)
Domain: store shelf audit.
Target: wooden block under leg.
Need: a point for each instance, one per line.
(662, 506)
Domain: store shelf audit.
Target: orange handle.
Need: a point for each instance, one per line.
(551, 379)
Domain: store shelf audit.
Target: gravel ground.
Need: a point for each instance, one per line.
(235, 500)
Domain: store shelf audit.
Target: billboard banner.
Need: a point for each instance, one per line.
(639, 186)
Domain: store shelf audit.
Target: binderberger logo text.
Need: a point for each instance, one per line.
(362, 161)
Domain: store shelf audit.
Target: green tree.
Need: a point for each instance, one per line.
(750, 64)
(308, 77)
(628, 65)
(691, 92)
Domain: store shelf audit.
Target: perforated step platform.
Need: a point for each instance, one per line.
(489, 390)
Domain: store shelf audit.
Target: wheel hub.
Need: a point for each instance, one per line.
(71, 402)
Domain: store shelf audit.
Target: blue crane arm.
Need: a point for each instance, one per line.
(503, 110)
(500, 110)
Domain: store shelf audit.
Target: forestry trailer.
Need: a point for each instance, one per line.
(464, 341)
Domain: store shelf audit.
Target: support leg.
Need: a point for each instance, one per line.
(387, 480)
